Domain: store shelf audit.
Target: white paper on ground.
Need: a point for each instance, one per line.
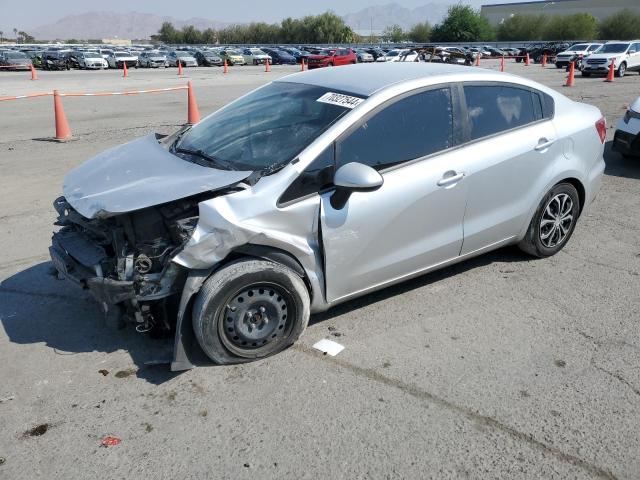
(329, 347)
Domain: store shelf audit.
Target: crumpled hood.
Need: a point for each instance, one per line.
(139, 174)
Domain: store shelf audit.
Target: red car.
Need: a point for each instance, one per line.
(332, 57)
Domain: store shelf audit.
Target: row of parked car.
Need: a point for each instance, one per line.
(588, 57)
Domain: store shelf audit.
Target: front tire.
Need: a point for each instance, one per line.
(622, 69)
(553, 223)
(250, 309)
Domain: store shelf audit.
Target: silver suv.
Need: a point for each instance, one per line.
(625, 54)
(318, 188)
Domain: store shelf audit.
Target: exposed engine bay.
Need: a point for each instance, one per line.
(125, 260)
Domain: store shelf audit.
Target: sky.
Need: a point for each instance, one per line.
(25, 14)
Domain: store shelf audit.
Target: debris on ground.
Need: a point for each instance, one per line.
(38, 430)
(125, 373)
(104, 372)
(328, 347)
(6, 399)
(110, 441)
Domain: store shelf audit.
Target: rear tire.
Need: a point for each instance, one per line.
(250, 309)
(553, 223)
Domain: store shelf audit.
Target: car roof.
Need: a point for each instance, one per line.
(354, 78)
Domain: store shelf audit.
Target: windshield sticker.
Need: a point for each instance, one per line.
(341, 100)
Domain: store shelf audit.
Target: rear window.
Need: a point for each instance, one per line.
(493, 109)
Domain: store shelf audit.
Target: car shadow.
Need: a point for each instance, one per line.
(503, 255)
(618, 166)
(35, 307)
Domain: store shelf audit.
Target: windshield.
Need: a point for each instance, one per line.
(264, 129)
(233, 52)
(578, 47)
(122, 54)
(393, 53)
(326, 52)
(614, 48)
(256, 51)
(15, 55)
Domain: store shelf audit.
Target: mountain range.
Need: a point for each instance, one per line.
(136, 25)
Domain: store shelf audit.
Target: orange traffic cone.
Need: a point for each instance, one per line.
(502, 64)
(478, 60)
(34, 75)
(571, 77)
(226, 67)
(125, 72)
(544, 60)
(526, 60)
(193, 114)
(267, 67)
(63, 132)
(302, 64)
(612, 71)
(179, 68)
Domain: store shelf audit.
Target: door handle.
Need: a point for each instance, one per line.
(449, 178)
(543, 144)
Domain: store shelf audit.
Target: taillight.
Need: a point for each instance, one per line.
(601, 127)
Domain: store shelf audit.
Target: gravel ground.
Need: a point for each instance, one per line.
(499, 367)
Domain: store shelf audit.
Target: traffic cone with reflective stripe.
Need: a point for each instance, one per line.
(502, 64)
(612, 71)
(193, 114)
(478, 60)
(526, 60)
(302, 64)
(267, 67)
(226, 67)
(544, 61)
(125, 72)
(63, 132)
(571, 77)
(34, 75)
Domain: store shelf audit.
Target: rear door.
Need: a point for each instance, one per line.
(512, 140)
(634, 56)
(414, 220)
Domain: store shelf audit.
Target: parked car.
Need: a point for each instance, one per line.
(255, 56)
(232, 56)
(90, 60)
(318, 188)
(363, 56)
(625, 54)
(184, 58)
(537, 50)
(627, 137)
(207, 58)
(280, 57)
(394, 55)
(152, 59)
(15, 60)
(118, 58)
(56, 60)
(332, 57)
(105, 53)
(576, 53)
(296, 53)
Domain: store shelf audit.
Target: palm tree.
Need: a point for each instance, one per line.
(15, 32)
(1, 33)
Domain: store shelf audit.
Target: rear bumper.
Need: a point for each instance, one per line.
(626, 143)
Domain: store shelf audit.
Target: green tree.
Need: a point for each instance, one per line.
(522, 27)
(624, 25)
(463, 24)
(420, 32)
(191, 35)
(579, 26)
(169, 34)
(393, 34)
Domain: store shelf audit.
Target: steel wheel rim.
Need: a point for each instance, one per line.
(255, 318)
(556, 221)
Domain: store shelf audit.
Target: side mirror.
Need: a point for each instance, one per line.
(354, 177)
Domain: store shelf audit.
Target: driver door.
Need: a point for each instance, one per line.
(414, 221)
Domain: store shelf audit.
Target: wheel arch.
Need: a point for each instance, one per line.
(579, 187)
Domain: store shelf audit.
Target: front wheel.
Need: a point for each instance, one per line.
(250, 309)
(553, 222)
(622, 69)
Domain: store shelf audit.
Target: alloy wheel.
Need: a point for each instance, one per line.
(556, 220)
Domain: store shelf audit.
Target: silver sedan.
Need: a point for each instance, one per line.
(318, 188)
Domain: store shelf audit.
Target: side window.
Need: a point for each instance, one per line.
(317, 176)
(593, 47)
(410, 128)
(496, 108)
(636, 47)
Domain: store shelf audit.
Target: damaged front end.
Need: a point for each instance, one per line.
(125, 260)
